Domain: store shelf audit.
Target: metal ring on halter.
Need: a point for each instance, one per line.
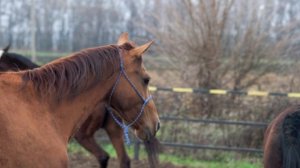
(124, 126)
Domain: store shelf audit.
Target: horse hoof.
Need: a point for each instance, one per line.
(103, 161)
(125, 164)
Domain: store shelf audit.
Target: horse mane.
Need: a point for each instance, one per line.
(69, 76)
(19, 60)
(13, 61)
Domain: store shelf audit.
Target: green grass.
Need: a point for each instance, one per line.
(226, 162)
(193, 163)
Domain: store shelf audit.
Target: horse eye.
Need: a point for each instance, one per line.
(146, 81)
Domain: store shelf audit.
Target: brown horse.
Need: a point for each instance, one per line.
(98, 119)
(282, 140)
(55, 99)
(85, 136)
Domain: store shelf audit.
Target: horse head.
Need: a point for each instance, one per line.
(130, 96)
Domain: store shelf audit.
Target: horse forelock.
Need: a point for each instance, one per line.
(68, 77)
(128, 45)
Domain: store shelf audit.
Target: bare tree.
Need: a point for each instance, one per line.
(221, 44)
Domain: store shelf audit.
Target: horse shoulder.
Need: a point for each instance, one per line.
(21, 118)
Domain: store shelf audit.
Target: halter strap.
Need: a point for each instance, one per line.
(124, 126)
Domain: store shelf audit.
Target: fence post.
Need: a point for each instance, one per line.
(136, 149)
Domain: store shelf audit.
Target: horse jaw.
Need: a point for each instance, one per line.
(143, 135)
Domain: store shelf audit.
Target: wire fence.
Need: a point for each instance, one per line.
(261, 125)
(225, 92)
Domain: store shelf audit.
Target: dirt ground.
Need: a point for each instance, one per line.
(80, 161)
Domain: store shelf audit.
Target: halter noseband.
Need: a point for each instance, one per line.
(124, 126)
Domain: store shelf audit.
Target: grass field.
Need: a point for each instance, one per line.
(176, 160)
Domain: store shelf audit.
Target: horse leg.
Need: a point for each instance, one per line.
(115, 134)
(85, 136)
(90, 144)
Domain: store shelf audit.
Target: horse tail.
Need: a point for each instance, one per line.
(290, 140)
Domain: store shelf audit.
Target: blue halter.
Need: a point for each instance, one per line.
(124, 126)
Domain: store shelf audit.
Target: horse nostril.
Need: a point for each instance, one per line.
(157, 126)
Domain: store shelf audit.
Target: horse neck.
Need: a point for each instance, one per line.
(71, 114)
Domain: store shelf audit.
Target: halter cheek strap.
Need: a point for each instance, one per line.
(124, 126)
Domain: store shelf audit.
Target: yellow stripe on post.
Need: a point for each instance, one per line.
(152, 88)
(257, 93)
(188, 90)
(217, 91)
(293, 94)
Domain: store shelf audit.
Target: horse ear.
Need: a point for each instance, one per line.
(138, 51)
(123, 38)
(6, 48)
